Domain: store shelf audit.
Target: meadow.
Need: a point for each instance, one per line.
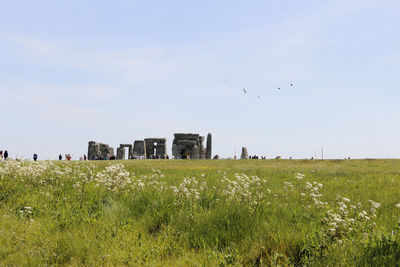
(200, 213)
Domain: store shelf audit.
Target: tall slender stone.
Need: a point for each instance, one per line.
(245, 154)
(209, 148)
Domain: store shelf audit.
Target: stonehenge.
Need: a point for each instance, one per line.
(156, 148)
(99, 151)
(151, 148)
(208, 150)
(245, 154)
(184, 146)
(139, 149)
(121, 151)
(190, 146)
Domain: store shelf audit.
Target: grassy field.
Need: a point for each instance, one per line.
(216, 212)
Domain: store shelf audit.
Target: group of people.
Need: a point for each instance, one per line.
(95, 157)
(3, 156)
(150, 157)
(257, 157)
(68, 157)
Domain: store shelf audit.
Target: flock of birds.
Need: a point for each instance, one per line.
(245, 91)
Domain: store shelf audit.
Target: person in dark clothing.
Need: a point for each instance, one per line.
(5, 155)
(60, 157)
(35, 156)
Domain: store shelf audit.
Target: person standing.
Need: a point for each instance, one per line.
(60, 157)
(35, 157)
(1, 155)
(5, 155)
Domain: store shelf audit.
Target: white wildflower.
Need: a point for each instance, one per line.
(299, 176)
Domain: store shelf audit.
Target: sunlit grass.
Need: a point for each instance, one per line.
(177, 212)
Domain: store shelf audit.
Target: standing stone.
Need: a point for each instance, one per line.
(244, 155)
(110, 152)
(99, 151)
(156, 148)
(139, 149)
(130, 152)
(187, 146)
(161, 149)
(195, 152)
(209, 144)
(122, 147)
(149, 148)
(121, 153)
(202, 149)
(92, 150)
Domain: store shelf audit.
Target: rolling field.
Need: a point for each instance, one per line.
(200, 213)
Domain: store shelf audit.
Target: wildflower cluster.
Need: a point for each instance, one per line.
(243, 188)
(190, 188)
(154, 182)
(25, 171)
(346, 220)
(114, 177)
(315, 193)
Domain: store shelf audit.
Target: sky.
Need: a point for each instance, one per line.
(118, 71)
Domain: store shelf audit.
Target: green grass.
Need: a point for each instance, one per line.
(75, 213)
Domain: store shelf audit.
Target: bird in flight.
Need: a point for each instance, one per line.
(244, 90)
(279, 88)
(291, 84)
(258, 96)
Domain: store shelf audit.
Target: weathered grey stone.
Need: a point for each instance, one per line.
(245, 154)
(122, 151)
(188, 146)
(187, 142)
(195, 152)
(186, 136)
(110, 152)
(139, 149)
(156, 148)
(202, 149)
(209, 146)
(99, 151)
(149, 149)
(125, 145)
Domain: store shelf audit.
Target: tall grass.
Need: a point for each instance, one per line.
(176, 212)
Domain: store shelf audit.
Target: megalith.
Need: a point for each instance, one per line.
(245, 154)
(209, 146)
(99, 151)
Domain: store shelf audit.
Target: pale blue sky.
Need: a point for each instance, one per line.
(117, 71)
